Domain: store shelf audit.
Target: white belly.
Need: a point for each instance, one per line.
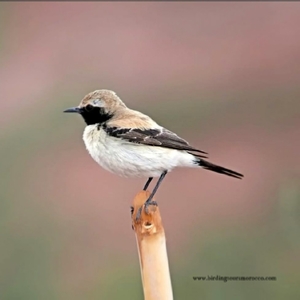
(129, 159)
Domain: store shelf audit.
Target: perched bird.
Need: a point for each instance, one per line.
(130, 144)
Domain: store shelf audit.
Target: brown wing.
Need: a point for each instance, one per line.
(152, 137)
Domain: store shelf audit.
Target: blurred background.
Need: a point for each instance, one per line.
(224, 76)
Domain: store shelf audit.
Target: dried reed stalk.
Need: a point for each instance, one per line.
(151, 242)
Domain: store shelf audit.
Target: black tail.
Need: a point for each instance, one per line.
(209, 166)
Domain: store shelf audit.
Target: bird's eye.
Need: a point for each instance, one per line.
(89, 108)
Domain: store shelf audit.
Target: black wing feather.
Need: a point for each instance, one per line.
(152, 137)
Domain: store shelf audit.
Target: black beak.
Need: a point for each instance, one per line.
(72, 110)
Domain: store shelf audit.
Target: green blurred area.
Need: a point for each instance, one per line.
(44, 250)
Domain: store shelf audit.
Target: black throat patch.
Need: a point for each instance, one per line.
(94, 115)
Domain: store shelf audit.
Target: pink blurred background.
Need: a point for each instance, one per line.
(224, 76)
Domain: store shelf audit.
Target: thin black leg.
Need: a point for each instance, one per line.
(159, 181)
(149, 200)
(147, 183)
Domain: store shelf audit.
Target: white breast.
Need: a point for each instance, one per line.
(129, 159)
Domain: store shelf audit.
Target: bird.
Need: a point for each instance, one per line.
(131, 144)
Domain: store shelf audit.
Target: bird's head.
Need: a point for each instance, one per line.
(98, 106)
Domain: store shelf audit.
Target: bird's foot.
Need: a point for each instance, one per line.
(146, 205)
(146, 208)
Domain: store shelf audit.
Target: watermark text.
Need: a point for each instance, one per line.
(234, 278)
